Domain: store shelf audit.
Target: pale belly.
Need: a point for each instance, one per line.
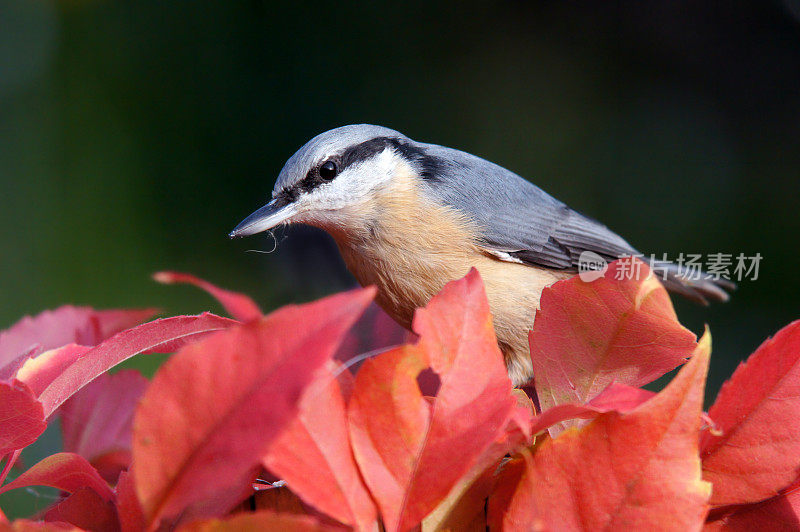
(407, 281)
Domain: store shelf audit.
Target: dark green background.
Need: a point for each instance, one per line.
(135, 135)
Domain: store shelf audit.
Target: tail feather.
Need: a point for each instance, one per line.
(695, 285)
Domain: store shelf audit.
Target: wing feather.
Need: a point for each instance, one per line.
(515, 216)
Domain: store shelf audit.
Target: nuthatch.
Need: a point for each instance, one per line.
(408, 217)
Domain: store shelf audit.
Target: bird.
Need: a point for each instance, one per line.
(408, 217)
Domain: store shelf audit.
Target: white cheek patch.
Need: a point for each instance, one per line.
(356, 184)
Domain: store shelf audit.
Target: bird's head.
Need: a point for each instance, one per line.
(335, 178)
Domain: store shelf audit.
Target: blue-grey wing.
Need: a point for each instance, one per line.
(516, 218)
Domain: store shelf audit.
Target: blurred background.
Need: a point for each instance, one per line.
(135, 135)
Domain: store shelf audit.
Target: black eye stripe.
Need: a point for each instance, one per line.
(317, 175)
(428, 165)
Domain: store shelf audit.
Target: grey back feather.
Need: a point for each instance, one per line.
(516, 216)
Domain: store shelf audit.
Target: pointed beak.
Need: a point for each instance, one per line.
(273, 213)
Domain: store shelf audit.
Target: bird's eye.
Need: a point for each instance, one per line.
(328, 170)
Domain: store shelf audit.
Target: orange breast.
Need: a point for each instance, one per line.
(410, 247)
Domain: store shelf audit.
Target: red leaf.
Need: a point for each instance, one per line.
(65, 325)
(315, 459)
(413, 453)
(277, 499)
(622, 398)
(781, 513)
(373, 332)
(97, 422)
(587, 335)
(87, 510)
(25, 525)
(213, 409)
(464, 507)
(147, 337)
(634, 471)
(10, 369)
(39, 372)
(129, 511)
(522, 416)
(112, 463)
(21, 417)
(256, 522)
(616, 398)
(758, 414)
(240, 306)
(65, 471)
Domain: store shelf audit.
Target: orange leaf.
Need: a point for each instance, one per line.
(315, 459)
(757, 412)
(634, 471)
(259, 522)
(589, 334)
(412, 452)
